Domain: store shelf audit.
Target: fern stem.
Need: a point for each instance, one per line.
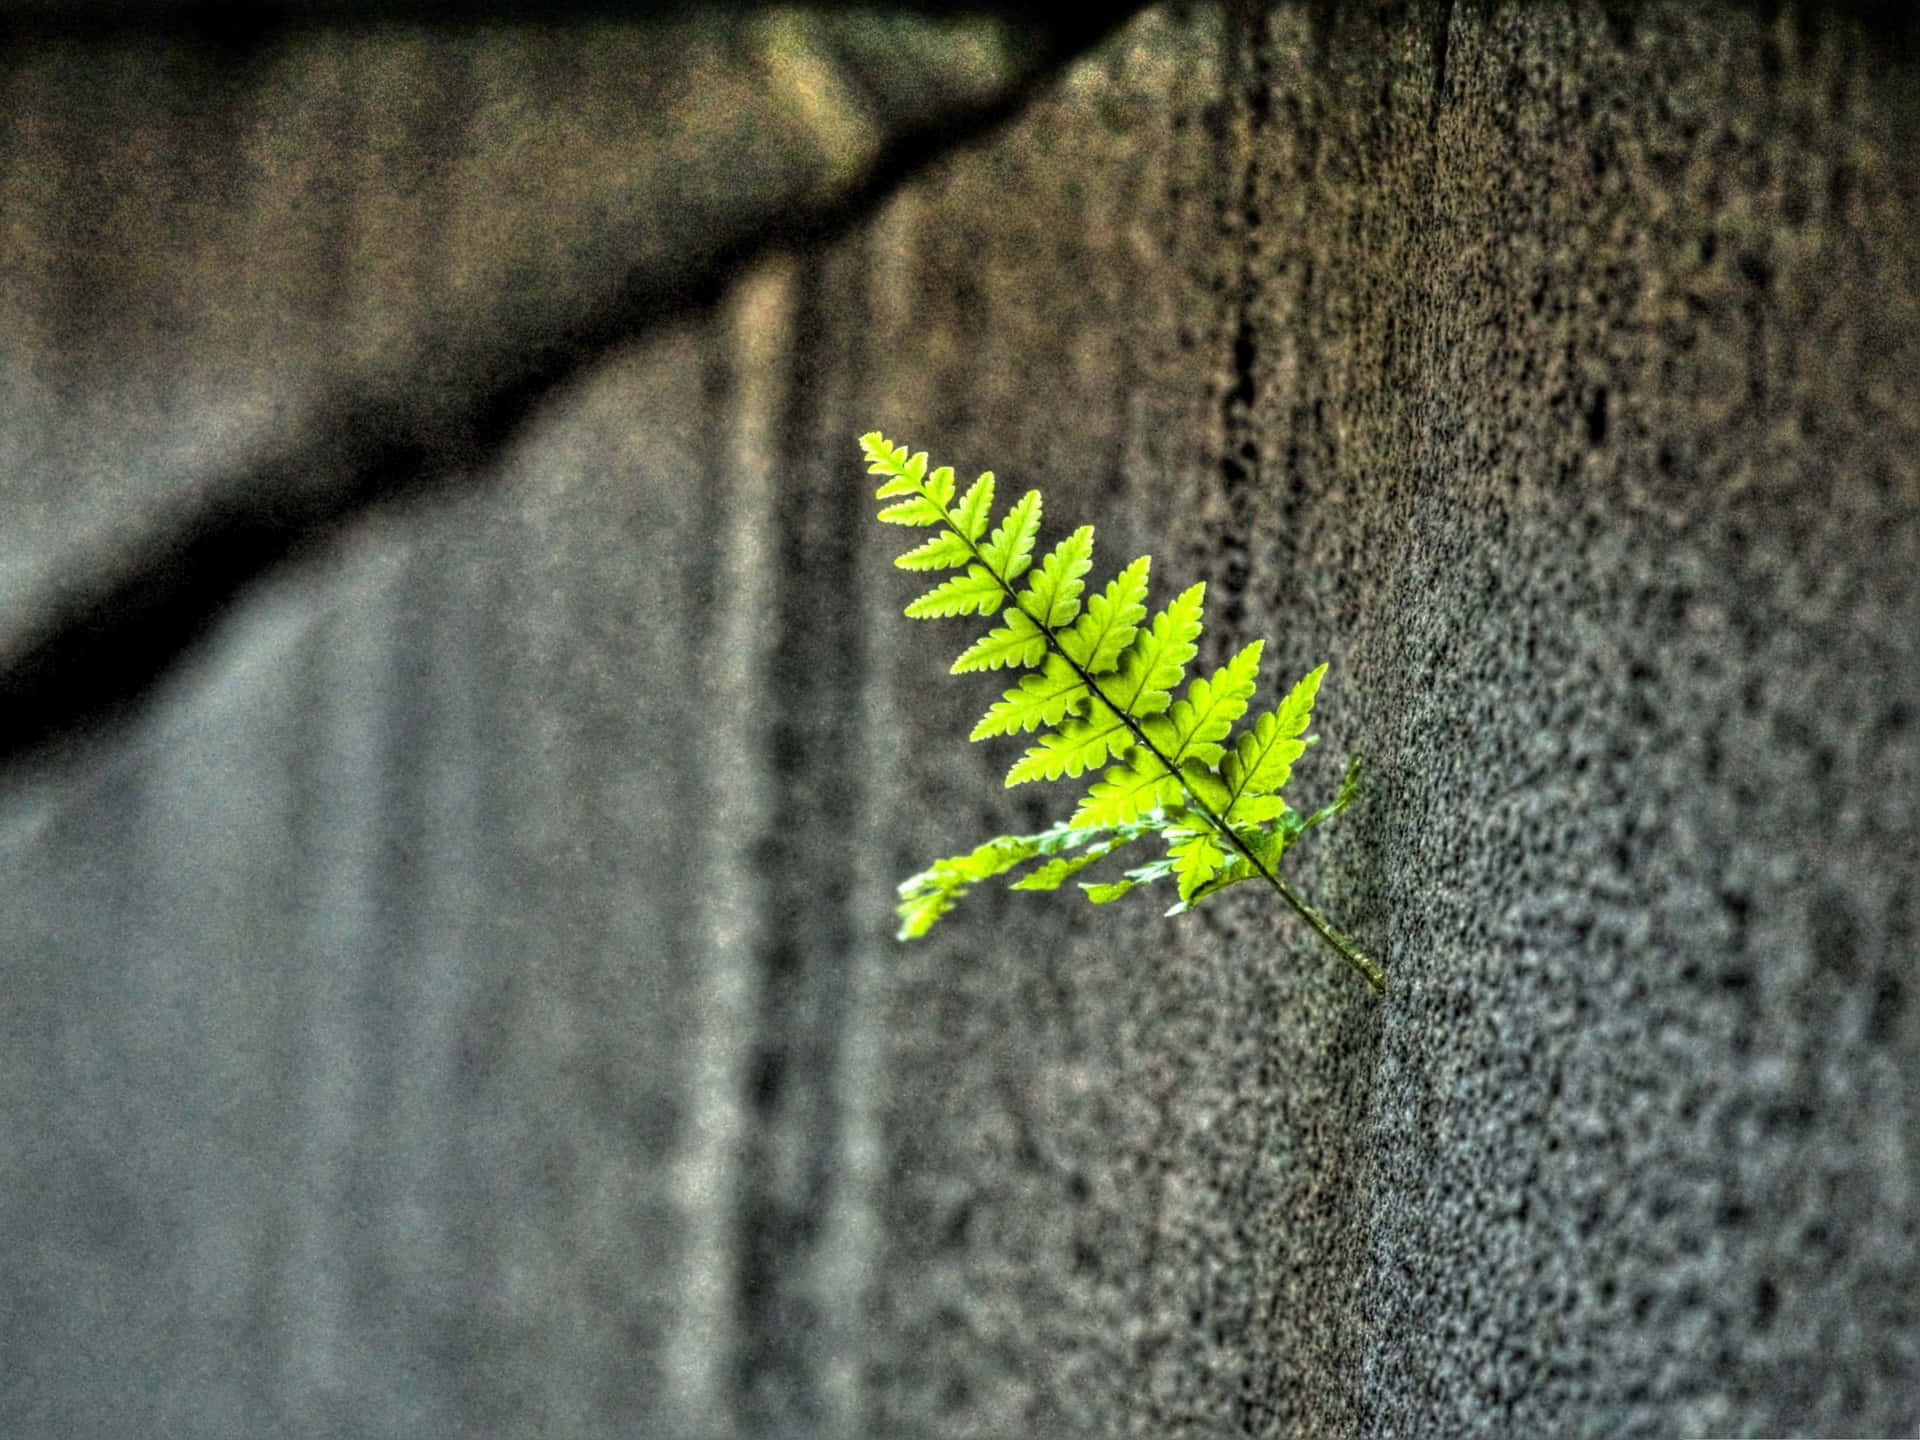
(1367, 968)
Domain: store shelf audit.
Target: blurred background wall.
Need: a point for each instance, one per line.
(460, 739)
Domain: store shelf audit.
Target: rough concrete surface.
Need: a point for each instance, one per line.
(455, 994)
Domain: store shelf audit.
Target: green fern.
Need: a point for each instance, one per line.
(1100, 690)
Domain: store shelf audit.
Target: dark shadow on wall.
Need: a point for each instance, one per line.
(100, 648)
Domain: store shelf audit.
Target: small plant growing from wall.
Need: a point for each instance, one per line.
(1099, 692)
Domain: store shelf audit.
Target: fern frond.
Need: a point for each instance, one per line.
(925, 897)
(904, 475)
(1052, 596)
(1111, 620)
(1349, 792)
(946, 551)
(928, 503)
(917, 511)
(963, 595)
(1262, 758)
(1153, 664)
(1081, 743)
(1017, 643)
(975, 507)
(1139, 784)
(1107, 726)
(1196, 859)
(1263, 851)
(1010, 551)
(1050, 875)
(1106, 894)
(928, 896)
(1103, 691)
(1198, 721)
(1042, 698)
(1202, 782)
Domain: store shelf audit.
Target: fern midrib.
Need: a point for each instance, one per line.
(1368, 970)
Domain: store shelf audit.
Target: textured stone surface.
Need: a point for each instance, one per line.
(460, 999)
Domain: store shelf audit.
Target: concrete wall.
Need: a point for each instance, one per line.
(463, 740)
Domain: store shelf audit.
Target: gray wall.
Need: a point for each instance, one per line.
(462, 738)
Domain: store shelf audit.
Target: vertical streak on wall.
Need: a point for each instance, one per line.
(432, 901)
(701, 1353)
(338, 828)
(377, 976)
(815, 669)
(855, 1237)
(1249, 83)
(841, 1268)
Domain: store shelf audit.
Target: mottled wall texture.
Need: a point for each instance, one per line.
(460, 739)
